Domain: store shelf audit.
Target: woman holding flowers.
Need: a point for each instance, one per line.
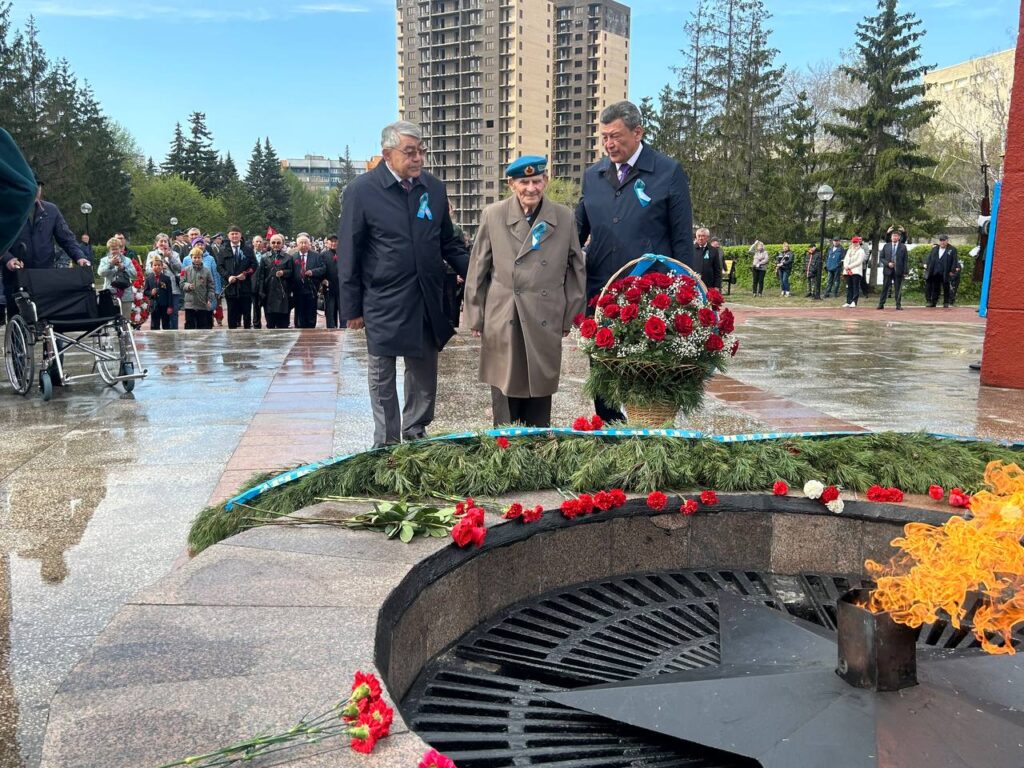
(526, 284)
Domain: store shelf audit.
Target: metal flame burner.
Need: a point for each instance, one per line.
(572, 679)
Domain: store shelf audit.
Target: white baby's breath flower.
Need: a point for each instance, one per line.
(813, 489)
(836, 505)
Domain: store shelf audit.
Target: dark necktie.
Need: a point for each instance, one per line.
(236, 252)
(407, 185)
(623, 172)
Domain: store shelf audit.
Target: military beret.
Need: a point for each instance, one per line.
(526, 166)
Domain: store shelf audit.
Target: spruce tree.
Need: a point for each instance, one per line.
(174, 163)
(348, 171)
(787, 203)
(228, 171)
(151, 169)
(878, 170)
(275, 197)
(202, 166)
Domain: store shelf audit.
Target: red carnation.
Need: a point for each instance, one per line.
(831, 493)
(570, 508)
(726, 322)
(514, 510)
(654, 329)
(895, 495)
(578, 320)
(708, 498)
(683, 324)
(596, 422)
(662, 301)
(707, 317)
(586, 502)
(780, 488)
(734, 348)
(633, 294)
(588, 328)
(502, 442)
(936, 492)
(875, 493)
(957, 498)
(434, 759)
(618, 497)
(714, 343)
(365, 685)
(378, 717)
(685, 295)
(362, 739)
(611, 311)
(628, 312)
(603, 500)
(715, 297)
(533, 515)
(605, 338)
(689, 507)
(581, 424)
(657, 500)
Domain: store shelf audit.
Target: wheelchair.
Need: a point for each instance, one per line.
(60, 310)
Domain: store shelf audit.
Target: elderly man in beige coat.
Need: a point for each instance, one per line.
(526, 283)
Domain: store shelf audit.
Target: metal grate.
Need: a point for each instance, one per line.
(479, 701)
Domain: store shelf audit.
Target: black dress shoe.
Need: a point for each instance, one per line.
(880, 307)
(899, 309)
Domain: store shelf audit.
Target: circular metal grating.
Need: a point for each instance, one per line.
(479, 702)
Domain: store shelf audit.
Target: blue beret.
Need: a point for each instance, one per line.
(528, 165)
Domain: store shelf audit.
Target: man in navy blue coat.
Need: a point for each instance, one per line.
(394, 237)
(635, 201)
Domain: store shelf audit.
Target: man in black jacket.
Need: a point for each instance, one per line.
(237, 265)
(709, 258)
(309, 271)
(894, 267)
(936, 271)
(330, 285)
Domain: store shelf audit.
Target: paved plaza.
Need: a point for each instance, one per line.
(98, 487)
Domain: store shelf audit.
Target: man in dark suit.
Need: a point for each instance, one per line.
(936, 271)
(310, 269)
(894, 267)
(395, 235)
(709, 258)
(330, 284)
(635, 201)
(236, 263)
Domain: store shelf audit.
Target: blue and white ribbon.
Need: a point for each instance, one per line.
(424, 211)
(641, 195)
(537, 234)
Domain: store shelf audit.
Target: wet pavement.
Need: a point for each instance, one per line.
(97, 488)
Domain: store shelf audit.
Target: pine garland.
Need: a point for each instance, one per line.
(478, 467)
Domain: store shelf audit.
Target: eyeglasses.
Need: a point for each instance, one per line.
(412, 152)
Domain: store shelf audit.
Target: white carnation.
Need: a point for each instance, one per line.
(836, 505)
(813, 489)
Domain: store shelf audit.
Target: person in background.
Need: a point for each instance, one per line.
(163, 250)
(210, 263)
(309, 271)
(84, 246)
(237, 265)
(812, 271)
(895, 261)
(118, 273)
(157, 290)
(936, 271)
(259, 250)
(758, 266)
(274, 283)
(330, 286)
(709, 259)
(834, 265)
(853, 268)
(197, 284)
(783, 266)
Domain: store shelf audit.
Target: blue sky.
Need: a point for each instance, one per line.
(315, 75)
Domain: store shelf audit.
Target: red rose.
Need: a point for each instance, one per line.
(605, 299)
(734, 348)
(726, 322)
(586, 502)
(957, 498)
(581, 424)
(478, 534)
(462, 533)
(514, 510)
(708, 498)
(570, 508)
(831, 493)
(633, 294)
(683, 324)
(603, 500)
(662, 301)
(605, 338)
(936, 492)
(644, 283)
(533, 515)
(460, 508)
(588, 329)
(654, 329)
(707, 317)
(618, 497)
(474, 515)
(689, 507)
(628, 312)
(596, 422)
(657, 500)
(661, 280)
(578, 320)
(611, 311)
(277, 262)
(780, 488)
(502, 442)
(685, 295)
(715, 297)
(714, 343)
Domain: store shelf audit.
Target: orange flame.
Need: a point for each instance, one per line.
(938, 566)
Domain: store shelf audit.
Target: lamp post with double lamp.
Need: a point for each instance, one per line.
(825, 193)
(86, 209)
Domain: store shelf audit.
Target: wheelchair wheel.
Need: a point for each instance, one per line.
(45, 385)
(19, 359)
(107, 341)
(127, 369)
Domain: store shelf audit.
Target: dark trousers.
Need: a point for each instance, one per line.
(277, 319)
(257, 312)
(452, 298)
(896, 283)
(814, 284)
(852, 289)
(758, 282)
(933, 285)
(305, 310)
(834, 282)
(525, 411)
(332, 307)
(159, 319)
(954, 286)
(198, 319)
(239, 311)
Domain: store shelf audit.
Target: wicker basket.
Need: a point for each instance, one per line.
(653, 415)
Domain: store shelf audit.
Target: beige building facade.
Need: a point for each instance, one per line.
(973, 97)
(478, 76)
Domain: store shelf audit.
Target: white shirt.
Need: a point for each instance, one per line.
(398, 178)
(632, 161)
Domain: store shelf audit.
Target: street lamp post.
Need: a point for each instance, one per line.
(86, 209)
(825, 193)
(174, 222)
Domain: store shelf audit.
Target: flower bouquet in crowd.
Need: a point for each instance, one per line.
(654, 340)
(140, 304)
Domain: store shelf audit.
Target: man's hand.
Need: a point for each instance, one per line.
(14, 264)
(476, 334)
(356, 324)
(309, 273)
(84, 263)
(170, 311)
(231, 279)
(280, 273)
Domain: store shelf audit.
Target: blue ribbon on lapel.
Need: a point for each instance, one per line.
(424, 211)
(641, 195)
(537, 234)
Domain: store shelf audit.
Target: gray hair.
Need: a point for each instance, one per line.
(703, 230)
(626, 111)
(390, 137)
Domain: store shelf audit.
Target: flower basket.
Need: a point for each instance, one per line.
(654, 340)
